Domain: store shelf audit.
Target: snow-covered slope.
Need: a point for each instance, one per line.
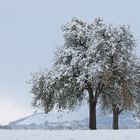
(78, 119)
(54, 120)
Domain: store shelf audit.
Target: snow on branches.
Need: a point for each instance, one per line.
(96, 59)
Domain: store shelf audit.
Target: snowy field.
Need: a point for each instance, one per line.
(70, 135)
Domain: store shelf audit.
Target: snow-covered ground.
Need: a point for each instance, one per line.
(131, 134)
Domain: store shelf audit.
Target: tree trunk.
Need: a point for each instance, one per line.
(92, 115)
(115, 117)
(92, 104)
(92, 109)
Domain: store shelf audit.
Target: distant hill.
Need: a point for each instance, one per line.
(5, 127)
(78, 119)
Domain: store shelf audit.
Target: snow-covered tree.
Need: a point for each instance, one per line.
(85, 66)
(121, 91)
(77, 71)
(137, 90)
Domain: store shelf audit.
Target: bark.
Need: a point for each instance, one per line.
(116, 113)
(92, 115)
(92, 104)
(92, 110)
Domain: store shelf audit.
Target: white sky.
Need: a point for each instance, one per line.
(29, 33)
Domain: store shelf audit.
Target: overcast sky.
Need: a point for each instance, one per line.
(30, 30)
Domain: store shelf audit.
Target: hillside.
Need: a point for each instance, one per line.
(78, 119)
